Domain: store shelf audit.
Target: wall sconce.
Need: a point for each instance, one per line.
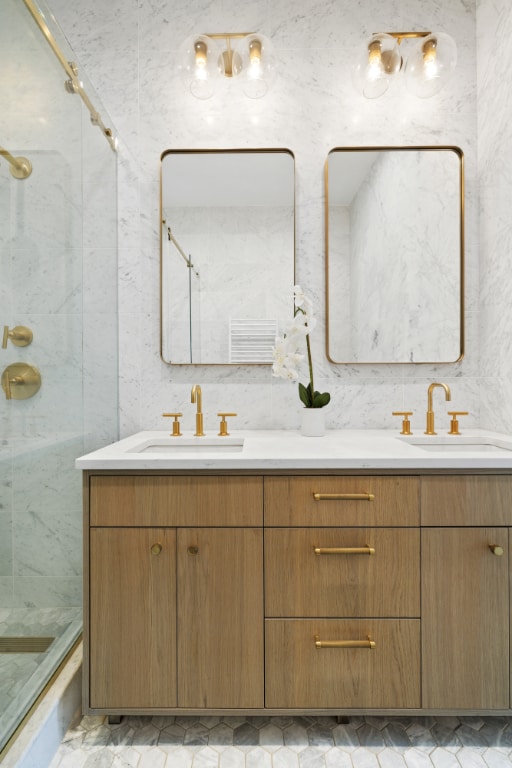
(205, 59)
(426, 70)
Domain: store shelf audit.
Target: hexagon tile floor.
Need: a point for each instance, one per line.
(288, 742)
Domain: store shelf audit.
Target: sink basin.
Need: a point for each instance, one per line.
(173, 445)
(463, 444)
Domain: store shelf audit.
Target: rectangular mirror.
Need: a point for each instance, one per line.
(395, 254)
(227, 254)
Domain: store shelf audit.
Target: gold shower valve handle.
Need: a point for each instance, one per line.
(223, 426)
(454, 423)
(406, 424)
(20, 335)
(176, 432)
(20, 381)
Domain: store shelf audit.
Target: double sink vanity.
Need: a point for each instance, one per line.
(265, 572)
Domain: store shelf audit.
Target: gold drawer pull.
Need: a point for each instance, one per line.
(344, 550)
(343, 496)
(368, 643)
(496, 550)
(193, 550)
(156, 549)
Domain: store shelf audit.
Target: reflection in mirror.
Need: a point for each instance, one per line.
(228, 254)
(395, 228)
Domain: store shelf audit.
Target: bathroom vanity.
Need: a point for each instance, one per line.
(273, 573)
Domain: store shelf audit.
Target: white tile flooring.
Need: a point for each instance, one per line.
(288, 742)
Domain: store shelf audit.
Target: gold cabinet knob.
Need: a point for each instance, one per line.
(21, 336)
(193, 550)
(156, 549)
(496, 550)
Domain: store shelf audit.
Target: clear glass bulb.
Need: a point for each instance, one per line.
(200, 65)
(259, 69)
(375, 66)
(430, 65)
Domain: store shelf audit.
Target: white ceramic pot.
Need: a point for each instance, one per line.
(313, 422)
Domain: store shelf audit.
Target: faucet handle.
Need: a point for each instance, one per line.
(454, 423)
(20, 335)
(406, 424)
(223, 426)
(176, 432)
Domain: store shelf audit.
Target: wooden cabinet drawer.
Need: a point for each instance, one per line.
(466, 500)
(338, 501)
(155, 500)
(299, 582)
(300, 675)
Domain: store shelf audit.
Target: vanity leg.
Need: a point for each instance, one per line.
(114, 719)
(342, 719)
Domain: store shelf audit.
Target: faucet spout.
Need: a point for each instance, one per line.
(430, 411)
(196, 397)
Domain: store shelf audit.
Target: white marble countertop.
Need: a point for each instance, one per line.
(288, 449)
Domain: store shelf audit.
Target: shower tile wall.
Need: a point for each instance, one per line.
(129, 48)
(495, 185)
(54, 224)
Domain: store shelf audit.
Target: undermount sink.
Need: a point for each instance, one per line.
(174, 445)
(459, 444)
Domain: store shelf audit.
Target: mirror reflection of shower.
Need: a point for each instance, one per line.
(185, 283)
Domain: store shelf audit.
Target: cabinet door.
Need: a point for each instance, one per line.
(132, 618)
(465, 648)
(220, 617)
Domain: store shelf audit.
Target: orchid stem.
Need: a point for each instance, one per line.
(310, 363)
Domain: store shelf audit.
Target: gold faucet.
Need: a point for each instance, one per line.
(195, 396)
(430, 413)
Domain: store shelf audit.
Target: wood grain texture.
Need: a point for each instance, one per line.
(465, 625)
(132, 618)
(466, 500)
(289, 501)
(300, 583)
(299, 675)
(175, 501)
(220, 618)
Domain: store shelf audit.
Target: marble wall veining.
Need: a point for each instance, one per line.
(129, 51)
(494, 27)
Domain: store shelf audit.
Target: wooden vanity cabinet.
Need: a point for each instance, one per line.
(314, 592)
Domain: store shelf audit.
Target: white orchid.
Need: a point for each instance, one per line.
(286, 350)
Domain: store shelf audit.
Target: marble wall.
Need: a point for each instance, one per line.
(129, 50)
(494, 28)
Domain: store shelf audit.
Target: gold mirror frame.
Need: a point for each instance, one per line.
(180, 250)
(460, 255)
